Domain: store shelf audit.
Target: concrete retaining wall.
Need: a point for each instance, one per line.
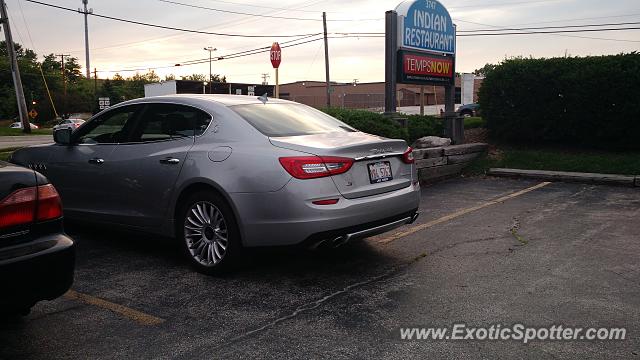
(437, 163)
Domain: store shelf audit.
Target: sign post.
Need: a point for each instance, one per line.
(276, 58)
(391, 61)
(420, 49)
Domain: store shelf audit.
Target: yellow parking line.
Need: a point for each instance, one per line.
(135, 315)
(415, 229)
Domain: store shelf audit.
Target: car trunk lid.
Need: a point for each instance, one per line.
(374, 158)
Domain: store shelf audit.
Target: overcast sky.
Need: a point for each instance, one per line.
(117, 46)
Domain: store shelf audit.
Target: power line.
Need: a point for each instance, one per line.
(220, 58)
(256, 15)
(167, 27)
(562, 35)
(272, 8)
(133, 43)
(559, 20)
(549, 27)
(501, 4)
(228, 56)
(550, 32)
(33, 46)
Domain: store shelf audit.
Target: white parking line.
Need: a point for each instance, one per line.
(414, 229)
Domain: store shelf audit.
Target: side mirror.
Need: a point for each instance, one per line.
(62, 136)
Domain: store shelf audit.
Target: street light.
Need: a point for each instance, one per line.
(210, 49)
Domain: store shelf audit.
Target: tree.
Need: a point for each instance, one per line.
(50, 64)
(483, 71)
(201, 77)
(195, 77)
(30, 75)
(72, 70)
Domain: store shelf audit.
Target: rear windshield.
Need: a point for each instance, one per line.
(276, 120)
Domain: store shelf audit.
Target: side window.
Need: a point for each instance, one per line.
(170, 121)
(110, 128)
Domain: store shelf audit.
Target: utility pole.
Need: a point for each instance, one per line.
(422, 100)
(265, 76)
(15, 70)
(210, 49)
(86, 13)
(326, 58)
(64, 82)
(95, 81)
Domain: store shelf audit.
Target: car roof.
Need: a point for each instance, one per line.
(225, 100)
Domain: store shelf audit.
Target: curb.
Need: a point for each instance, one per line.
(563, 176)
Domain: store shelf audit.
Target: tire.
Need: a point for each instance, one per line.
(208, 233)
(15, 312)
(466, 114)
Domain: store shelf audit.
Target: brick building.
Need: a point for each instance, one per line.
(367, 95)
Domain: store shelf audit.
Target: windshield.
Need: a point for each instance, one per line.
(277, 120)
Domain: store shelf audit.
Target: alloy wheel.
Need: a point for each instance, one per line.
(205, 232)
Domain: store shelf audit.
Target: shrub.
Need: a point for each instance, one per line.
(369, 122)
(593, 101)
(420, 126)
(474, 123)
(377, 124)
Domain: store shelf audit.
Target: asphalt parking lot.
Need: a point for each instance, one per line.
(484, 251)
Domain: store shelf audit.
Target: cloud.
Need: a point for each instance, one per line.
(117, 45)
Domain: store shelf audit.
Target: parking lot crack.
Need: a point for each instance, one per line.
(515, 228)
(317, 303)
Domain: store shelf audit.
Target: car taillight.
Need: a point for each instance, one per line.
(18, 208)
(311, 167)
(407, 157)
(326, 202)
(25, 206)
(49, 204)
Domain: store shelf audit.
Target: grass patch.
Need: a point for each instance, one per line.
(474, 123)
(17, 132)
(4, 156)
(5, 153)
(590, 161)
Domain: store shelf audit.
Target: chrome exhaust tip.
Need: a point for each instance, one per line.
(339, 241)
(414, 217)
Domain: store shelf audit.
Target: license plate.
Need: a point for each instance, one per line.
(380, 172)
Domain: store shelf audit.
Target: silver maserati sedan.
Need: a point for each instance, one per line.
(225, 172)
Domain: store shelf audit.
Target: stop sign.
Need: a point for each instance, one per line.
(276, 55)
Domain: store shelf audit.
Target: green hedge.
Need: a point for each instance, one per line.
(369, 122)
(474, 123)
(420, 126)
(592, 101)
(377, 124)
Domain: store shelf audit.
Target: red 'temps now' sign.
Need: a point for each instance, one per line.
(427, 66)
(276, 55)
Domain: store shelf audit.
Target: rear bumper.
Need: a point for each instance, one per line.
(336, 238)
(38, 270)
(288, 217)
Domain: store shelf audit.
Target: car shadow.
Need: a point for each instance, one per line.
(102, 244)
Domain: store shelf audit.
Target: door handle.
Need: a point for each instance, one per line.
(170, 161)
(96, 161)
